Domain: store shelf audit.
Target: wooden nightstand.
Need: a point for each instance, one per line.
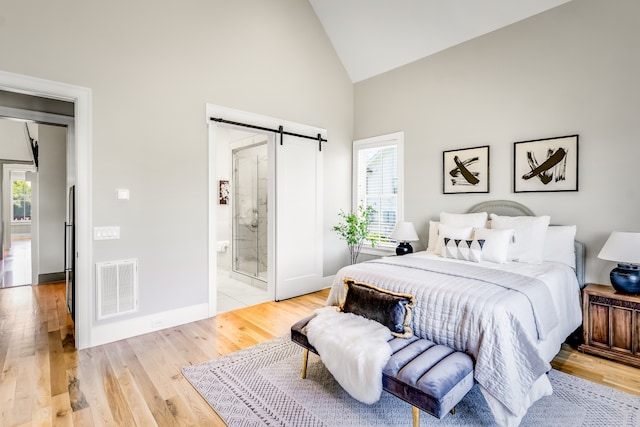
(611, 324)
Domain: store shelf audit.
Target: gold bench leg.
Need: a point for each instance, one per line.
(416, 416)
(305, 358)
(415, 411)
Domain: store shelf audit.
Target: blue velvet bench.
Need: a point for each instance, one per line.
(430, 377)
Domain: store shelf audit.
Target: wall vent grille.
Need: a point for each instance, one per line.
(117, 283)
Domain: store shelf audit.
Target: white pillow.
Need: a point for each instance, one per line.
(464, 220)
(466, 250)
(433, 237)
(559, 245)
(452, 233)
(496, 243)
(530, 233)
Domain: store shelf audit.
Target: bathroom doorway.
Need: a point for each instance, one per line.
(294, 228)
(242, 219)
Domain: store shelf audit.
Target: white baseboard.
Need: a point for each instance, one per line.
(119, 330)
(327, 281)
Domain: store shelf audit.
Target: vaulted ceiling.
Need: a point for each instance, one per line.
(375, 36)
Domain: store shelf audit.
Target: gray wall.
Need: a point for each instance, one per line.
(52, 194)
(573, 69)
(152, 68)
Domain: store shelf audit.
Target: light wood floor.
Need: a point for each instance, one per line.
(137, 381)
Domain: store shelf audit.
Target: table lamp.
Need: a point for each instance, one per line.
(623, 248)
(404, 233)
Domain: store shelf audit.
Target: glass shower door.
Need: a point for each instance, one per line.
(250, 211)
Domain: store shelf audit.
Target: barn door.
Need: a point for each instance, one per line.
(298, 217)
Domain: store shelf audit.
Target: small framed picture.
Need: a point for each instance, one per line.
(223, 197)
(466, 170)
(549, 164)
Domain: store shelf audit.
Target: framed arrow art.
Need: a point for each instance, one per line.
(549, 164)
(466, 170)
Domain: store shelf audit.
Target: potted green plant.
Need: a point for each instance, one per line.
(355, 229)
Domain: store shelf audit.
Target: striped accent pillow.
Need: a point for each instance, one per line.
(466, 250)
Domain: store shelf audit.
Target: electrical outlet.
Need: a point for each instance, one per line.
(106, 233)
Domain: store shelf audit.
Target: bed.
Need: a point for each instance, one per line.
(510, 310)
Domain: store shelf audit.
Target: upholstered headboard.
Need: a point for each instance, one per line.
(502, 207)
(511, 208)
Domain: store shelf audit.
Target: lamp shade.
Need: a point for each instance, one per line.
(622, 247)
(404, 232)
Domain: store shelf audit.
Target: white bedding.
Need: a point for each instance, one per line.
(497, 326)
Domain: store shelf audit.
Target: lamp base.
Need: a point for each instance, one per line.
(626, 279)
(403, 248)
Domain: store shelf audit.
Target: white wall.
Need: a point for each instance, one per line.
(152, 68)
(52, 193)
(573, 69)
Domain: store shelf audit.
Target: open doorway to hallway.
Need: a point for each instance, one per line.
(33, 191)
(56, 103)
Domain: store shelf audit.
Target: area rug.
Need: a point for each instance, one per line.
(261, 386)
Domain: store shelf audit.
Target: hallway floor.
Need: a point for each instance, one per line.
(16, 265)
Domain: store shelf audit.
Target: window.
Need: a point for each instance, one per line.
(377, 180)
(21, 200)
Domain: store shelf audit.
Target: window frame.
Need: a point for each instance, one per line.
(397, 139)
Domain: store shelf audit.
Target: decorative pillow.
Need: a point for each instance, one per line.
(496, 243)
(433, 237)
(452, 233)
(390, 309)
(529, 235)
(466, 250)
(559, 244)
(464, 220)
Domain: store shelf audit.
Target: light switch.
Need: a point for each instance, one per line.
(122, 193)
(106, 233)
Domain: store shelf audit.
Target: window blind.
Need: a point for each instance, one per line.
(378, 187)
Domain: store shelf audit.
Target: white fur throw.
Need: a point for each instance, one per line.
(354, 349)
